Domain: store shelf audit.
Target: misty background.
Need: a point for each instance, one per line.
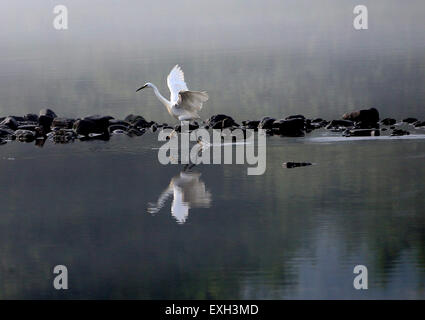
(255, 58)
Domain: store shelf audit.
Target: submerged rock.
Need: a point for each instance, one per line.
(399, 132)
(136, 132)
(192, 126)
(366, 125)
(419, 124)
(362, 133)
(339, 125)
(316, 123)
(25, 135)
(5, 131)
(63, 135)
(410, 120)
(388, 121)
(291, 165)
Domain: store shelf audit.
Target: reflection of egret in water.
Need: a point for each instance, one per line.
(188, 192)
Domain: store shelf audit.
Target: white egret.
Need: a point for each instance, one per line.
(183, 105)
(188, 192)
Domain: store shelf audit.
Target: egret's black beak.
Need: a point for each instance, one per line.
(141, 88)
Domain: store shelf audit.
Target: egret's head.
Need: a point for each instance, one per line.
(146, 85)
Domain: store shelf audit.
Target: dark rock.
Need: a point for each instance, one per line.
(313, 125)
(119, 122)
(92, 124)
(366, 125)
(135, 132)
(18, 118)
(45, 119)
(154, 127)
(296, 116)
(290, 128)
(64, 136)
(28, 127)
(138, 121)
(410, 120)
(47, 113)
(177, 127)
(87, 126)
(25, 135)
(291, 165)
(221, 121)
(317, 123)
(31, 117)
(419, 124)
(388, 121)
(62, 123)
(266, 123)
(100, 120)
(5, 131)
(399, 132)
(362, 133)
(45, 122)
(251, 124)
(367, 115)
(84, 127)
(10, 122)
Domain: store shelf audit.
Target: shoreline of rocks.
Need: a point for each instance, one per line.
(48, 126)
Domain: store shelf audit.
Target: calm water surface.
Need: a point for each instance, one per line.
(113, 214)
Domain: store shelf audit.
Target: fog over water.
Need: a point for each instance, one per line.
(128, 227)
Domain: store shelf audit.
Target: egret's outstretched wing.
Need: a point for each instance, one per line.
(156, 207)
(176, 83)
(192, 100)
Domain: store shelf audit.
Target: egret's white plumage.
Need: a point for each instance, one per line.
(188, 192)
(183, 104)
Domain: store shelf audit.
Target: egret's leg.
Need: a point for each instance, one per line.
(172, 134)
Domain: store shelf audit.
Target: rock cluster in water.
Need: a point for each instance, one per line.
(48, 126)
